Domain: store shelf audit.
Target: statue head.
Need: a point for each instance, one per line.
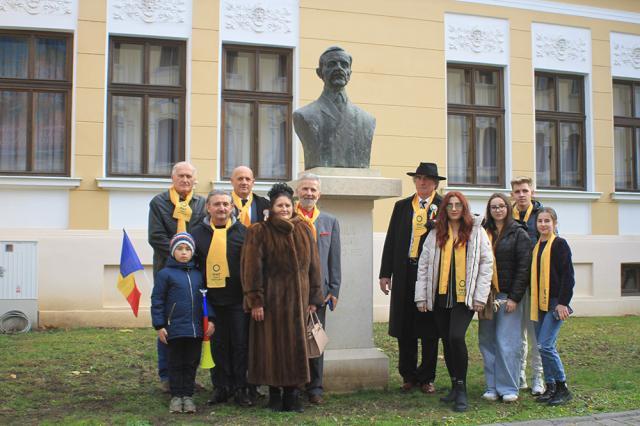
(334, 68)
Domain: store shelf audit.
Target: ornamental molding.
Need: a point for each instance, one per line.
(37, 7)
(475, 39)
(626, 55)
(561, 48)
(257, 18)
(150, 11)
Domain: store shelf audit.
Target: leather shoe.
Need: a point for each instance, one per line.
(316, 399)
(428, 388)
(407, 387)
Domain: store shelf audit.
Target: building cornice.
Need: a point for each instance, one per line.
(39, 182)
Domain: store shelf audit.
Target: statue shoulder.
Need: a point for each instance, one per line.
(308, 111)
(364, 115)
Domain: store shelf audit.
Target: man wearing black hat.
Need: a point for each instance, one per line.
(411, 221)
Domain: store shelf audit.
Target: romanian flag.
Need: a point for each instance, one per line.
(129, 263)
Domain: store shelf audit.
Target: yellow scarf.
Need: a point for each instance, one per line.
(460, 271)
(244, 215)
(182, 211)
(419, 223)
(310, 220)
(217, 266)
(494, 278)
(516, 212)
(540, 290)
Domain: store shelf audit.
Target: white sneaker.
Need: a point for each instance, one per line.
(509, 398)
(490, 396)
(523, 383)
(538, 386)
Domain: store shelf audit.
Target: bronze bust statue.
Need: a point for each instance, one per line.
(333, 131)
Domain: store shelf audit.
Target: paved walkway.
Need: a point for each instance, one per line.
(609, 419)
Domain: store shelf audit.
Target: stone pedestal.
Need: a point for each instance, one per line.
(351, 360)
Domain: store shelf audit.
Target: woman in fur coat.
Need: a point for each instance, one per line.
(281, 283)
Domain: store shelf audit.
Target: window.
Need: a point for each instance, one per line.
(35, 103)
(256, 111)
(146, 106)
(630, 279)
(475, 129)
(626, 112)
(560, 141)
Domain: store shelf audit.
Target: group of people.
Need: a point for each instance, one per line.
(258, 267)
(442, 264)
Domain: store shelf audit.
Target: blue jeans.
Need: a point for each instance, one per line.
(547, 329)
(501, 347)
(163, 361)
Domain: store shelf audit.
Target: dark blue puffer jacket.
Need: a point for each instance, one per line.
(176, 301)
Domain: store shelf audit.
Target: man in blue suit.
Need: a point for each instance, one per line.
(327, 234)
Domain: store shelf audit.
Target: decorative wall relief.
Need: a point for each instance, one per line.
(561, 48)
(257, 18)
(626, 55)
(37, 7)
(475, 39)
(150, 11)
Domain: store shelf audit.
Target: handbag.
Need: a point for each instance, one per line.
(317, 338)
(487, 312)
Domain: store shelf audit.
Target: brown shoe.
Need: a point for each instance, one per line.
(316, 399)
(407, 387)
(428, 388)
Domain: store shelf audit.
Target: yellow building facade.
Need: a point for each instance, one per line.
(487, 89)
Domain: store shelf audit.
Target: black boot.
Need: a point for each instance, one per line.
(275, 399)
(219, 396)
(561, 395)
(291, 400)
(452, 393)
(241, 398)
(548, 393)
(460, 403)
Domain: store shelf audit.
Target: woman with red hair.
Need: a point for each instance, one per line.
(454, 279)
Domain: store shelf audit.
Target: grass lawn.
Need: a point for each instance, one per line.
(97, 376)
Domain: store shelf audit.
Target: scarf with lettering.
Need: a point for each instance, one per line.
(419, 223)
(182, 211)
(310, 220)
(217, 265)
(540, 288)
(244, 215)
(460, 268)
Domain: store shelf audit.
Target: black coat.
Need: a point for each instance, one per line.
(561, 276)
(403, 314)
(162, 226)
(513, 259)
(530, 225)
(231, 293)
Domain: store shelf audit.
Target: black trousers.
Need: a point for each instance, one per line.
(421, 329)
(452, 325)
(230, 347)
(316, 365)
(184, 357)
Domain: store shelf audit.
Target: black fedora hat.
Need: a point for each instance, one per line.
(428, 170)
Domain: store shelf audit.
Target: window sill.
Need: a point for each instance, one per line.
(626, 197)
(134, 184)
(260, 188)
(39, 182)
(559, 194)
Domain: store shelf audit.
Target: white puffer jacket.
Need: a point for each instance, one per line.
(479, 268)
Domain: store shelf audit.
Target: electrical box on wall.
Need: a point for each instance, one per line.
(19, 278)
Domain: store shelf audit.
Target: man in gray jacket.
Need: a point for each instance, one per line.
(327, 234)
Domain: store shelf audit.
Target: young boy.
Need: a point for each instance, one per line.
(176, 313)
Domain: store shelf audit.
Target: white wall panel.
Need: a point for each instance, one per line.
(160, 18)
(52, 15)
(34, 209)
(625, 55)
(476, 39)
(129, 209)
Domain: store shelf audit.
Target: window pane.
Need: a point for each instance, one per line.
(636, 97)
(458, 86)
(570, 95)
(51, 58)
(546, 153)
(623, 145)
(238, 118)
(240, 73)
(570, 155)
(272, 134)
(487, 151)
(459, 148)
(273, 73)
(545, 93)
(128, 63)
(164, 135)
(486, 87)
(164, 65)
(49, 132)
(14, 54)
(126, 135)
(13, 131)
(622, 100)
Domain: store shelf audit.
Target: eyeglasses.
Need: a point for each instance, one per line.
(456, 206)
(497, 208)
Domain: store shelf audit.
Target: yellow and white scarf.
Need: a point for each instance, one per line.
(460, 268)
(182, 211)
(217, 265)
(310, 220)
(419, 223)
(540, 289)
(244, 215)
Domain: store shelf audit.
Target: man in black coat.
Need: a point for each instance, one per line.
(250, 208)
(402, 247)
(230, 341)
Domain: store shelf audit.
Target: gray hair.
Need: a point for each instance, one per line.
(183, 163)
(309, 176)
(215, 192)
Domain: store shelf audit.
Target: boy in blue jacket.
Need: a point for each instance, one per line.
(176, 313)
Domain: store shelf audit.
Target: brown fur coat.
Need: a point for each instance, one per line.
(281, 273)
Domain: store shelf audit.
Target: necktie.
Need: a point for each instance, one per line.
(423, 203)
(244, 202)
